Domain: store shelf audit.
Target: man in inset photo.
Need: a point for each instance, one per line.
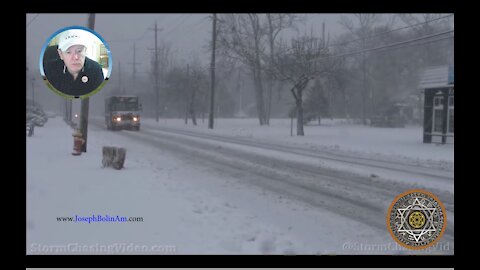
(73, 73)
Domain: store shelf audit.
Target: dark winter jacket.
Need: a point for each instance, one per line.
(87, 80)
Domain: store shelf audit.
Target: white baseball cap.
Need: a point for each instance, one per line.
(72, 37)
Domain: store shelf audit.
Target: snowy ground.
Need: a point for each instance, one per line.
(334, 139)
(335, 135)
(189, 208)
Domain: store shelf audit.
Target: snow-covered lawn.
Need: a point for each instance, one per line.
(332, 135)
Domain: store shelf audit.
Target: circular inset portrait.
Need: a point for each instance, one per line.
(75, 62)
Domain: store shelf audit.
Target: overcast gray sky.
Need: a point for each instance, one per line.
(188, 33)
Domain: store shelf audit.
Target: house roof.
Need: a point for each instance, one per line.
(433, 77)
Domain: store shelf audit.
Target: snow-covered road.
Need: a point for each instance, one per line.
(357, 196)
(212, 197)
(417, 170)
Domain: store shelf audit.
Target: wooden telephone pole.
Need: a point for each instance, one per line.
(156, 74)
(134, 63)
(85, 101)
(212, 67)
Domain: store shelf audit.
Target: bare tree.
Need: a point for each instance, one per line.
(226, 69)
(240, 37)
(275, 24)
(362, 29)
(392, 74)
(197, 81)
(188, 99)
(175, 90)
(426, 24)
(317, 104)
(165, 60)
(298, 63)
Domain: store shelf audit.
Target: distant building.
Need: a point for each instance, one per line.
(437, 84)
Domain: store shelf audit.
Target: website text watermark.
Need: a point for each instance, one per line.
(391, 246)
(114, 248)
(99, 218)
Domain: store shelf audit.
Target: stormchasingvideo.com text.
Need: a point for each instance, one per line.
(92, 249)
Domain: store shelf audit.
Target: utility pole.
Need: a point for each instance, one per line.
(155, 70)
(33, 91)
(156, 75)
(364, 94)
(212, 67)
(120, 91)
(134, 71)
(187, 107)
(85, 101)
(134, 68)
(68, 111)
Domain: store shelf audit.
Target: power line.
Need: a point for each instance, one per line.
(421, 43)
(130, 39)
(403, 42)
(389, 31)
(382, 33)
(396, 44)
(134, 39)
(195, 27)
(179, 22)
(32, 20)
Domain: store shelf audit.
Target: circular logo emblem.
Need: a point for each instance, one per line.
(416, 219)
(84, 79)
